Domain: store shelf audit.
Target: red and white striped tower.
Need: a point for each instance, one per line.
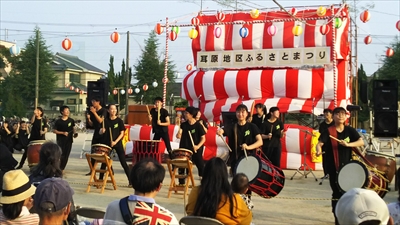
(334, 58)
(165, 62)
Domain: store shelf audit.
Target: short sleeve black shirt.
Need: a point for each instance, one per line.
(163, 117)
(196, 130)
(246, 134)
(116, 126)
(65, 126)
(36, 126)
(275, 129)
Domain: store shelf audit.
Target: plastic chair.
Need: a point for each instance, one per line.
(198, 220)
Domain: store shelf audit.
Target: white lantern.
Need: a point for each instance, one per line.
(155, 84)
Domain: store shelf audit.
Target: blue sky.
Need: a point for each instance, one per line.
(89, 25)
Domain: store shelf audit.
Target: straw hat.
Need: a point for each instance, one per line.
(16, 187)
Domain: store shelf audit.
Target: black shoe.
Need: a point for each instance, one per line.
(88, 174)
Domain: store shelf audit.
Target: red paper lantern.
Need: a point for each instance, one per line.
(220, 16)
(115, 92)
(82, 92)
(195, 21)
(158, 29)
(324, 29)
(389, 52)
(77, 90)
(165, 80)
(66, 44)
(365, 16)
(293, 11)
(173, 35)
(115, 37)
(367, 40)
(189, 67)
(398, 25)
(130, 91)
(145, 87)
(71, 88)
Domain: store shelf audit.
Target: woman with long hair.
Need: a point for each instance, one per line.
(49, 163)
(272, 134)
(260, 117)
(17, 199)
(214, 198)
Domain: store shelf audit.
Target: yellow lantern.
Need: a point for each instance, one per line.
(321, 11)
(193, 33)
(297, 30)
(254, 13)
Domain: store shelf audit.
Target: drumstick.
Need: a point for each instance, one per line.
(103, 123)
(252, 108)
(334, 138)
(225, 143)
(148, 111)
(158, 115)
(191, 138)
(111, 136)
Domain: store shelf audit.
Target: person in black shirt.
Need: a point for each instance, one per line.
(159, 118)
(244, 136)
(113, 134)
(201, 121)
(23, 141)
(95, 118)
(272, 133)
(6, 133)
(39, 125)
(197, 134)
(7, 162)
(65, 130)
(349, 138)
(323, 127)
(260, 117)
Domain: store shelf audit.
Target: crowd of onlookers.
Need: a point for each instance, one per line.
(46, 198)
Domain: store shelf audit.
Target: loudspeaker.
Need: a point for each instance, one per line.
(98, 89)
(386, 123)
(385, 95)
(228, 119)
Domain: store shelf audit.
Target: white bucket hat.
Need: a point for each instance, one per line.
(16, 187)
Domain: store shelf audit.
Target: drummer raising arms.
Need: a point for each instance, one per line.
(160, 122)
(64, 128)
(244, 136)
(341, 150)
(38, 131)
(193, 141)
(114, 132)
(95, 118)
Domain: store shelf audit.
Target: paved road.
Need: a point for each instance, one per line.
(302, 200)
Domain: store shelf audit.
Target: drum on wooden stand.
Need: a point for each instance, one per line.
(101, 149)
(383, 162)
(360, 173)
(265, 179)
(182, 153)
(33, 152)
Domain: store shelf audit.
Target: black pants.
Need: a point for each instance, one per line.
(65, 146)
(274, 155)
(336, 193)
(165, 137)
(121, 156)
(197, 159)
(23, 158)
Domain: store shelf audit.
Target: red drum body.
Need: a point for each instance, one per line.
(182, 153)
(101, 149)
(357, 174)
(383, 162)
(33, 152)
(265, 179)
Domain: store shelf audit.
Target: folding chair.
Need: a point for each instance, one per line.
(198, 220)
(93, 180)
(173, 166)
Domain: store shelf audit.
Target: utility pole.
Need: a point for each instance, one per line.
(37, 70)
(127, 76)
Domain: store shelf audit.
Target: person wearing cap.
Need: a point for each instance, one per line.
(146, 178)
(65, 131)
(17, 200)
(337, 153)
(362, 206)
(322, 128)
(159, 118)
(192, 130)
(53, 201)
(244, 136)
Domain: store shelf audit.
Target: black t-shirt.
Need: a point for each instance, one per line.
(246, 134)
(324, 126)
(275, 129)
(23, 138)
(6, 138)
(163, 117)
(65, 126)
(259, 121)
(116, 125)
(96, 125)
(196, 130)
(350, 135)
(7, 161)
(36, 126)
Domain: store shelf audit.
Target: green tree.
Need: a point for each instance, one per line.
(20, 84)
(150, 68)
(391, 65)
(363, 115)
